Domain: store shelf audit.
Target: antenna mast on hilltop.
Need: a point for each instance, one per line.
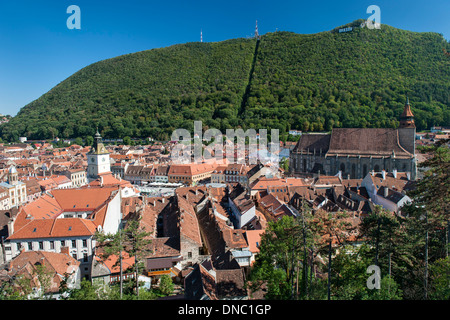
(256, 31)
(201, 35)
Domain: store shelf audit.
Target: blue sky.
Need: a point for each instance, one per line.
(37, 50)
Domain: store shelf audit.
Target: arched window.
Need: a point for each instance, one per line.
(364, 170)
(353, 171)
(376, 168)
(342, 168)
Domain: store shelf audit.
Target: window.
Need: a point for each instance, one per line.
(342, 168)
(74, 243)
(85, 257)
(84, 243)
(52, 245)
(41, 245)
(30, 245)
(189, 255)
(63, 243)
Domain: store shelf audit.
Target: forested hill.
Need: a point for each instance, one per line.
(285, 80)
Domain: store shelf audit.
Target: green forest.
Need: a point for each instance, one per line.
(309, 82)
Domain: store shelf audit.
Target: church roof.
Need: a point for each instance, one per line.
(366, 142)
(375, 142)
(313, 141)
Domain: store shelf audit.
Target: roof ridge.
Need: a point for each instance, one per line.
(83, 221)
(53, 225)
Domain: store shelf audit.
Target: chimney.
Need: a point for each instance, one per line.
(386, 191)
(394, 173)
(65, 250)
(408, 175)
(383, 173)
(11, 226)
(373, 172)
(163, 200)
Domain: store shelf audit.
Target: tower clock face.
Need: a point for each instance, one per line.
(92, 160)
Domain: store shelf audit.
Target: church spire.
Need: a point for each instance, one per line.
(407, 117)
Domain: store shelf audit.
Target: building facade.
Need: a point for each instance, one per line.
(16, 190)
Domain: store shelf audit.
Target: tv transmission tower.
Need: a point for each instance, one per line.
(256, 31)
(201, 35)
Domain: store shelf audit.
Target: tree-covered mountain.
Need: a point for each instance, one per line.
(285, 80)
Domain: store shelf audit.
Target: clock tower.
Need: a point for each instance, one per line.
(98, 159)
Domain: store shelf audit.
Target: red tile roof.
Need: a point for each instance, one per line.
(55, 228)
(82, 199)
(254, 239)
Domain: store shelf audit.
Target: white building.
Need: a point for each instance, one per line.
(388, 189)
(242, 207)
(77, 177)
(65, 220)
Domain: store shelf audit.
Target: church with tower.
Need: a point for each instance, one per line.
(353, 152)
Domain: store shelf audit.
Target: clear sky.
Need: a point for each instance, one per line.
(38, 51)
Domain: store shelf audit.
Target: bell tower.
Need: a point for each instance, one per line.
(407, 117)
(98, 159)
(407, 136)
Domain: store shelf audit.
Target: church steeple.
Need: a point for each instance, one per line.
(407, 117)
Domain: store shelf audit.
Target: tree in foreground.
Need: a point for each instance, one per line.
(134, 240)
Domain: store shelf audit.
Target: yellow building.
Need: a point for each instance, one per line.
(16, 190)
